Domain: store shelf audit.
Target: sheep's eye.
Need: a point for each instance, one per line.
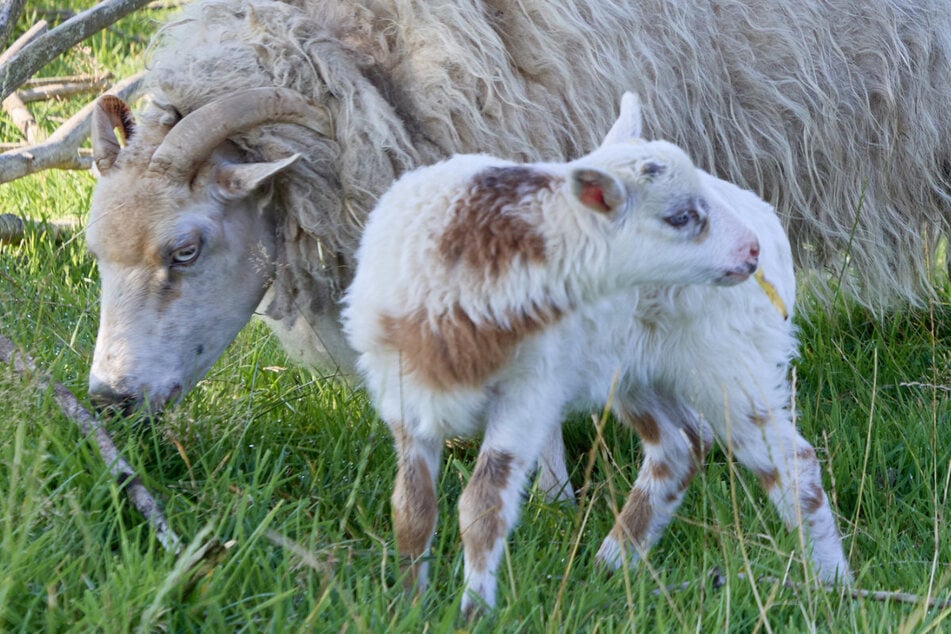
(682, 218)
(183, 256)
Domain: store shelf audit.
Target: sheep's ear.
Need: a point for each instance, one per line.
(112, 127)
(597, 190)
(234, 181)
(628, 126)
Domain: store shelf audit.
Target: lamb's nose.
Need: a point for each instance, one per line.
(752, 256)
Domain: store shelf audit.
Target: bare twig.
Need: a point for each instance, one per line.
(91, 426)
(63, 89)
(37, 82)
(60, 151)
(9, 12)
(37, 54)
(887, 596)
(719, 580)
(23, 119)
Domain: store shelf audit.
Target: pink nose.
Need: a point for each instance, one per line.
(752, 255)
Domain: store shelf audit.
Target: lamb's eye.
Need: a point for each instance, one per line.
(682, 218)
(185, 255)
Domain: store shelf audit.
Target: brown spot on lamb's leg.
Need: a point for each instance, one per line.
(414, 505)
(480, 507)
(674, 446)
(488, 508)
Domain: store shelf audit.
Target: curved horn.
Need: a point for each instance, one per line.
(193, 139)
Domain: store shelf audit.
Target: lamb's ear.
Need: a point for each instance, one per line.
(628, 125)
(597, 190)
(112, 127)
(234, 181)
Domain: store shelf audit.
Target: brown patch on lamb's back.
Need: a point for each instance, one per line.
(491, 227)
(451, 350)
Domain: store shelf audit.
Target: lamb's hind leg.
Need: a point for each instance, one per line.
(674, 443)
(552, 470)
(414, 503)
(767, 442)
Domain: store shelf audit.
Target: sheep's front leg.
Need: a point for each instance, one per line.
(414, 504)
(785, 463)
(674, 443)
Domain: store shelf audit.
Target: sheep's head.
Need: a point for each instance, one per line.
(666, 225)
(184, 240)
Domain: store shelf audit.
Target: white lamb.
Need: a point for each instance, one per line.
(492, 297)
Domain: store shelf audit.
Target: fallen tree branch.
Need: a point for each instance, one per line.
(91, 426)
(45, 49)
(61, 150)
(13, 228)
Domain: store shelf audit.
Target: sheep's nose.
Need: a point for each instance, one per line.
(105, 398)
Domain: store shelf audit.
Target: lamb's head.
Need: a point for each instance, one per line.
(184, 240)
(666, 227)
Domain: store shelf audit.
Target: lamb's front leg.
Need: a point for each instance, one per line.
(414, 503)
(489, 505)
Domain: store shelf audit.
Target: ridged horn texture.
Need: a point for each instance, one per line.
(192, 140)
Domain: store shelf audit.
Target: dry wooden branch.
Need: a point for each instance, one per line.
(31, 34)
(9, 12)
(13, 104)
(143, 501)
(60, 151)
(37, 54)
(63, 89)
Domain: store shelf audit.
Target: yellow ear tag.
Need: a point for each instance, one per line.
(771, 293)
(119, 131)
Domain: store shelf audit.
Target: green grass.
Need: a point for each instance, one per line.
(294, 473)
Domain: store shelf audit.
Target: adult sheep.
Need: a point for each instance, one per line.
(835, 112)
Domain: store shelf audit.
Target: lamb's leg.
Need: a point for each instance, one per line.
(552, 470)
(785, 463)
(674, 443)
(489, 505)
(414, 504)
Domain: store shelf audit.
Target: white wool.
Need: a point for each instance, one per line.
(836, 114)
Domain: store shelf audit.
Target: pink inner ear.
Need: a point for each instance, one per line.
(592, 196)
